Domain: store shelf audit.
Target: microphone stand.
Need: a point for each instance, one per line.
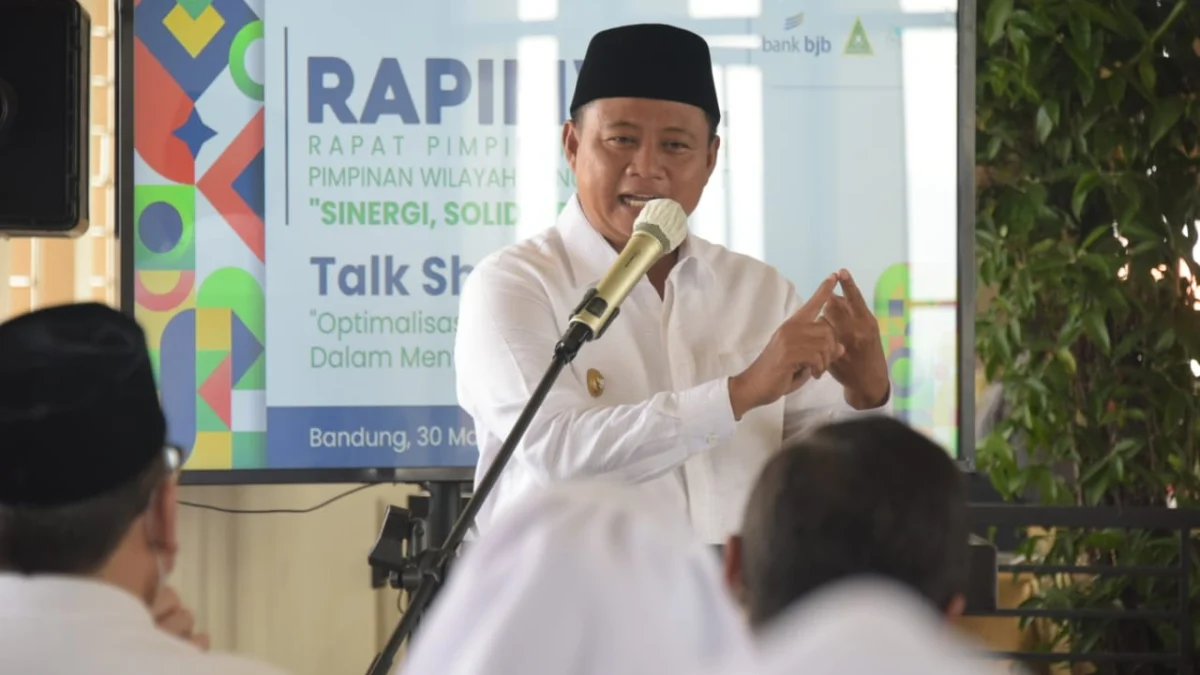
(434, 561)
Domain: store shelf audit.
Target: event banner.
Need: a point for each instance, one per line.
(406, 141)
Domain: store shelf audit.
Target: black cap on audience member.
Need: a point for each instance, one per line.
(79, 409)
(649, 60)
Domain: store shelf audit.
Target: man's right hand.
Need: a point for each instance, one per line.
(172, 617)
(801, 349)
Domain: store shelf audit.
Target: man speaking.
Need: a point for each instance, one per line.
(714, 359)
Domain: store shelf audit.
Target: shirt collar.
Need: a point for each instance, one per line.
(590, 255)
(39, 595)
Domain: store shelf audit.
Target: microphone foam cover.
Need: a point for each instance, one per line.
(665, 220)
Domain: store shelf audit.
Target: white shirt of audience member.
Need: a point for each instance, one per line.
(657, 410)
(581, 579)
(58, 625)
(864, 627)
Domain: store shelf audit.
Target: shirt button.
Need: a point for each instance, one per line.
(711, 438)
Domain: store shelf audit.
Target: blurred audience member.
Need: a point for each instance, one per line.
(867, 497)
(88, 505)
(862, 627)
(581, 578)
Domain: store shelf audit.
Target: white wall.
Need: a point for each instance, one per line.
(292, 589)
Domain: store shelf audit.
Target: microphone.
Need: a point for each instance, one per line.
(659, 229)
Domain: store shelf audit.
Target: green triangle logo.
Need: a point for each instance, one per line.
(858, 44)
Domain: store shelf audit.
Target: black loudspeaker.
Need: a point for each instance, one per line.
(44, 94)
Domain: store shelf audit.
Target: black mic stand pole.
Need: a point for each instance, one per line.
(433, 563)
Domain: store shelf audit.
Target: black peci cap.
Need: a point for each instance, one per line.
(648, 60)
(79, 408)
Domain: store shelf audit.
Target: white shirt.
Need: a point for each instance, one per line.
(864, 627)
(664, 419)
(53, 625)
(583, 578)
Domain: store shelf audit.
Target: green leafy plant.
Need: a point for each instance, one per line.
(1088, 181)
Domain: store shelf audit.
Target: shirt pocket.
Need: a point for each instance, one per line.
(764, 422)
(611, 375)
(726, 363)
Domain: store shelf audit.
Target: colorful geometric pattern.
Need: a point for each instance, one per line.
(892, 312)
(198, 222)
(921, 399)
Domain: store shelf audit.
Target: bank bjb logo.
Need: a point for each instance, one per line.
(797, 44)
(857, 44)
(815, 45)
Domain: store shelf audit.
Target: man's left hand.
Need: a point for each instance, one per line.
(863, 370)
